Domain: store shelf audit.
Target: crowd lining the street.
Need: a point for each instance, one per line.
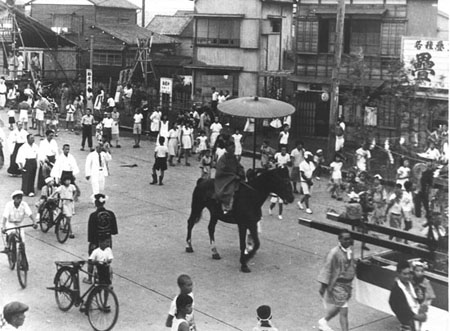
(217, 146)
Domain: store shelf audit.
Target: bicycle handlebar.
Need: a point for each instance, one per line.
(19, 227)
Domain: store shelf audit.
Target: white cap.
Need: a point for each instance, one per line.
(378, 176)
(307, 154)
(353, 196)
(16, 192)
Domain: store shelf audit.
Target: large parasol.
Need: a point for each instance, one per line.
(256, 107)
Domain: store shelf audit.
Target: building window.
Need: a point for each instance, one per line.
(107, 59)
(218, 32)
(359, 35)
(124, 20)
(67, 23)
(275, 23)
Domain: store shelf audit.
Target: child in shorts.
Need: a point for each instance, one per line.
(185, 284)
(67, 193)
(46, 192)
(102, 258)
(11, 118)
(161, 154)
(264, 316)
(275, 199)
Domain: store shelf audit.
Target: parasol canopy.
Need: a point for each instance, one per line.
(256, 107)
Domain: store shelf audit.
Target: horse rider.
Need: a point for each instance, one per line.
(229, 173)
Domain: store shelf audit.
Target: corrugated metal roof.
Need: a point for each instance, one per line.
(169, 25)
(115, 4)
(129, 33)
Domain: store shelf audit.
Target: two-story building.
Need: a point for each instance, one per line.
(240, 45)
(108, 27)
(372, 39)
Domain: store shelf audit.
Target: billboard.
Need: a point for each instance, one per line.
(427, 60)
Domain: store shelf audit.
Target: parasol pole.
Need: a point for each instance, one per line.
(254, 144)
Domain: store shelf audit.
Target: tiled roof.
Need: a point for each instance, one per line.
(169, 25)
(129, 33)
(115, 4)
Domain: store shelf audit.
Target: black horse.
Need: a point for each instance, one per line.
(246, 208)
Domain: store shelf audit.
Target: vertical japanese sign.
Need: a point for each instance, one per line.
(88, 79)
(165, 92)
(427, 60)
(166, 85)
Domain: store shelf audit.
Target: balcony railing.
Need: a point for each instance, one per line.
(217, 42)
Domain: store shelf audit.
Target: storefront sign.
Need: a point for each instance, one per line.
(427, 60)
(166, 85)
(89, 79)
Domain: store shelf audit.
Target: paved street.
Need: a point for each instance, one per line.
(149, 255)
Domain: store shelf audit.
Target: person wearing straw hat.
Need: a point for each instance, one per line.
(15, 212)
(13, 315)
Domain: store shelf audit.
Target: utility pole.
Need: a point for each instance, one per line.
(91, 52)
(334, 102)
(143, 13)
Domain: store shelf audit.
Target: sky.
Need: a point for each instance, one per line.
(164, 7)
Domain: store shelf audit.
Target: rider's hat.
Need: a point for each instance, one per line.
(16, 192)
(48, 180)
(264, 313)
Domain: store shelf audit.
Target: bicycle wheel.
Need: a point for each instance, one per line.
(62, 230)
(64, 288)
(12, 252)
(102, 308)
(22, 266)
(45, 220)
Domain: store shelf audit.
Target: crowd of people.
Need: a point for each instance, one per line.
(218, 149)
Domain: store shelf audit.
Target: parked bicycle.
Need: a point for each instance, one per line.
(15, 249)
(53, 215)
(99, 302)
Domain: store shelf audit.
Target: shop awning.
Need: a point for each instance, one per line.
(213, 67)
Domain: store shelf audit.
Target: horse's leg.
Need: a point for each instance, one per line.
(253, 228)
(212, 242)
(242, 245)
(191, 223)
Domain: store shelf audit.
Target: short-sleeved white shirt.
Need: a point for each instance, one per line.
(16, 215)
(336, 168)
(297, 156)
(161, 151)
(282, 159)
(101, 255)
(108, 122)
(307, 170)
(138, 118)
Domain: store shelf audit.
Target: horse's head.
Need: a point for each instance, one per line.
(280, 183)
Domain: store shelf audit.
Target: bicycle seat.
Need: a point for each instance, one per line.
(75, 264)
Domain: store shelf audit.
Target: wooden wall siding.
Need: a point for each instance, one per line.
(115, 16)
(307, 35)
(249, 34)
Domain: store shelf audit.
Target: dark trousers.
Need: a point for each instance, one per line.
(107, 134)
(13, 167)
(28, 176)
(87, 134)
(421, 199)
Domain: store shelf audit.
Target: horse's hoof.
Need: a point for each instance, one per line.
(245, 269)
(216, 256)
(189, 250)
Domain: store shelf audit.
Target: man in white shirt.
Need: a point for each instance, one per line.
(96, 169)
(214, 99)
(137, 127)
(86, 123)
(107, 127)
(65, 165)
(15, 212)
(127, 94)
(27, 162)
(306, 172)
(18, 137)
(48, 151)
(296, 158)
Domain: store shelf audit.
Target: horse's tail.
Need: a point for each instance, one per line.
(199, 197)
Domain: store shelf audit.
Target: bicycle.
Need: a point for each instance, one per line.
(15, 249)
(48, 219)
(101, 304)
